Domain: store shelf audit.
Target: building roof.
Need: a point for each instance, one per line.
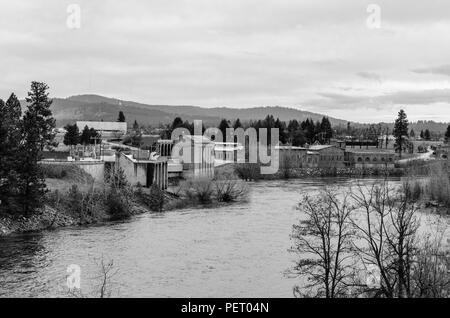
(103, 125)
(370, 151)
(198, 139)
(320, 147)
(290, 148)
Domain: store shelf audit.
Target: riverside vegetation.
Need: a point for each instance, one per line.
(373, 242)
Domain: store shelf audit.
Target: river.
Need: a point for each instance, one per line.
(239, 250)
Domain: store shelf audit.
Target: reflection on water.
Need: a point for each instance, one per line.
(238, 250)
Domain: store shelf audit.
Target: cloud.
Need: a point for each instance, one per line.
(236, 53)
(370, 76)
(440, 70)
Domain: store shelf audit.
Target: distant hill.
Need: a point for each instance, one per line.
(95, 107)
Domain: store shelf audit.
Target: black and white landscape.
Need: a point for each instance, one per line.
(215, 149)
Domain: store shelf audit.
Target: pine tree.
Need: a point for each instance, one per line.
(223, 128)
(447, 134)
(326, 129)
(121, 118)
(10, 138)
(72, 136)
(177, 123)
(237, 124)
(85, 138)
(400, 131)
(412, 134)
(427, 134)
(421, 134)
(135, 125)
(37, 131)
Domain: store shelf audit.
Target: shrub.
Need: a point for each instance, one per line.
(154, 199)
(116, 178)
(248, 171)
(118, 203)
(84, 205)
(200, 190)
(228, 188)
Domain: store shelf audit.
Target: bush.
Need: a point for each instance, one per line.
(118, 203)
(155, 199)
(83, 205)
(198, 190)
(248, 171)
(228, 189)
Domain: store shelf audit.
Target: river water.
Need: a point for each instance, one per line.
(239, 250)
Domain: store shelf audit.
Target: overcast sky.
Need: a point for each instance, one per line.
(321, 56)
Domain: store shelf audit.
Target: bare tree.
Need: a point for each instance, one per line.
(386, 228)
(325, 237)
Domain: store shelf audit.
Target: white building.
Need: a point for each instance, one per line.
(105, 128)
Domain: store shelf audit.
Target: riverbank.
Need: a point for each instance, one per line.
(250, 171)
(72, 202)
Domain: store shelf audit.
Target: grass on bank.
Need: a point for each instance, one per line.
(434, 186)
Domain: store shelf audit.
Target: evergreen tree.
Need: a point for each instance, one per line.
(427, 134)
(177, 123)
(72, 136)
(400, 131)
(10, 139)
(422, 134)
(412, 134)
(94, 136)
(85, 138)
(326, 129)
(135, 125)
(237, 124)
(37, 132)
(121, 118)
(224, 124)
(447, 134)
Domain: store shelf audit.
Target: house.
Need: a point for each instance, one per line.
(360, 158)
(330, 156)
(297, 157)
(107, 129)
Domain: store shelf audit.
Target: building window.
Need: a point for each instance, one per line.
(367, 159)
(359, 159)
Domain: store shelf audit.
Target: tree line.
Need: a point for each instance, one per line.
(73, 137)
(22, 140)
(293, 132)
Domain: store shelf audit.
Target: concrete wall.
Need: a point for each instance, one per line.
(95, 169)
(135, 173)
